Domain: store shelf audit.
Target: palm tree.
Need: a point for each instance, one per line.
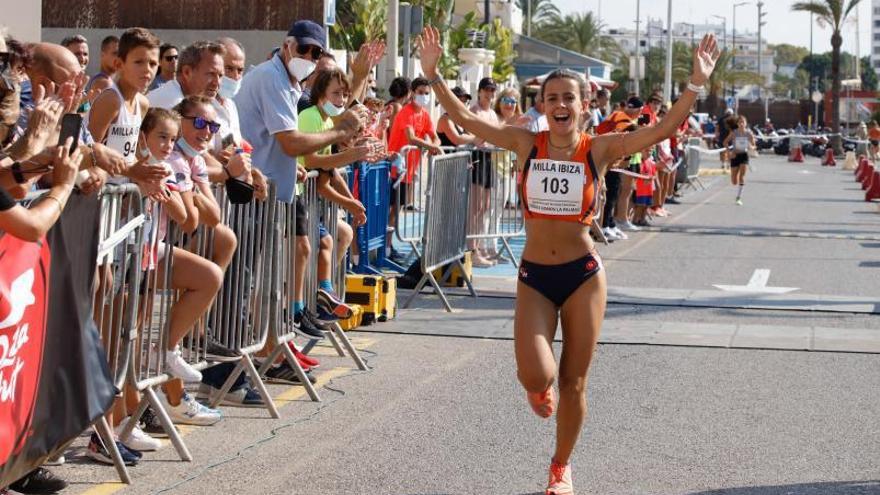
(538, 11)
(581, 33)
(834, 14)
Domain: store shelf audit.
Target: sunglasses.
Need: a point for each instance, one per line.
(171, 58)
(508, 100)
(316, 51)
(200, 123)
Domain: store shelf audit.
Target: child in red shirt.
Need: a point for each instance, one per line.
(645, 189)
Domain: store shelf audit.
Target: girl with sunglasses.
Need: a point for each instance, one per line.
(561, 275)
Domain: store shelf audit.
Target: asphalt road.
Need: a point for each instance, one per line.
(445, 415)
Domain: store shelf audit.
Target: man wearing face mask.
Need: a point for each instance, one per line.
(267, 104)
(200, 71)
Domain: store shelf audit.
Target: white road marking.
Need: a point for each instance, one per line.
(758, 283)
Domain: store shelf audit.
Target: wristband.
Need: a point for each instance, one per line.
(434, 81)
(693, 87)
(16, 173)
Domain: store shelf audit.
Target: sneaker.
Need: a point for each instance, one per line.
(544, 403)
(39, 480)
(55, 461)
(190, 412)
(560, 479)
(177, 367)
(304, 326)
(98, 452)
(240, 397)
(620, 234)
(739, 202)
(332, 304)
(627, 225)
(609, 234)
(217, 352)
(302, 358)
(322, 316)
(137, 439)
(313, 319)
(150, 424)
(285, 373)
(642, 223)
(673, 201)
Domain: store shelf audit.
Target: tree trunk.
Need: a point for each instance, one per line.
(836, 141)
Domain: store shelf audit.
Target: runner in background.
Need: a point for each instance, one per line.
(743, 140)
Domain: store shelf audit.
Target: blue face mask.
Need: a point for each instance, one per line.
(229, 87)
(187, 150)
(331, 109)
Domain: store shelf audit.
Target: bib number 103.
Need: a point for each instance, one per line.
(555, 185)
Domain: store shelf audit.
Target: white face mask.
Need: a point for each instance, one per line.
(151, 160)
(300, 68)
(422, 100)
(331, 109)
(371, 93)
(229, 87)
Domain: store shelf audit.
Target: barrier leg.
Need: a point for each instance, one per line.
(167, 425)
(467, 279)
(291, 359)
(513, 259)
(352, 350)
(257, 382)
(429, 277)
(227, 385)
(102, 427)
(332, 339)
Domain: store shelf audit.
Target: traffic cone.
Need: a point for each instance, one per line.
(796, 155)
(828, 161)
(850, 162)
(873, 191)
(867, 177)
(863, 160)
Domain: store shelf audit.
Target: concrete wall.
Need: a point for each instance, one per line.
(23, 19)
(257, 44)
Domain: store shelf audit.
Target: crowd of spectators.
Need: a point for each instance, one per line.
(176, 120)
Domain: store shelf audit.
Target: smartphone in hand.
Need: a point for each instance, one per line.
(71, 125)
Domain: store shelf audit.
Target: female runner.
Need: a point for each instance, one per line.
(561, 275)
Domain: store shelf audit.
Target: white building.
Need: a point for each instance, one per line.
(507, 10)
(875, 35)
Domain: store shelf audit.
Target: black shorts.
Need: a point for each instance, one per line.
(482, 173)
(301, 226)
(739, 159)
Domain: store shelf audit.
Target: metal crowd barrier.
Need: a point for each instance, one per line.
(121, 235)
(240, 313)
(444, 235)
(693, 158)
(326, 213)
(371, 182)
(408, 196)
(495, 213)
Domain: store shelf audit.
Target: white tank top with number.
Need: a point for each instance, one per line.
(122, 135)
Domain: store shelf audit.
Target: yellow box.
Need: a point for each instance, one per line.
(388, 299)
(364, 290)
(456, 279)
(355, 320)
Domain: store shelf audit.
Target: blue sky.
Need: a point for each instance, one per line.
(783, 26)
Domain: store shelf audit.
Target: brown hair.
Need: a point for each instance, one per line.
(156, 115)
(187, 104)
(192, 55)
(323, 80)
(513, 93)
(135, 37)
(567, 74)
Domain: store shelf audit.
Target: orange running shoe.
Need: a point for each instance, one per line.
(560, 479)
(544, 404)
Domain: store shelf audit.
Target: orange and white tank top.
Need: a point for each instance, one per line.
(558, 189)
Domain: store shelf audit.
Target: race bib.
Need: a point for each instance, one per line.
(124, 139)
(741, 143)
(556, 187)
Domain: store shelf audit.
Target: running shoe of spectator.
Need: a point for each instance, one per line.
(397, 257)
(286, 374)
(303, 358)
(673, 200)
(325, 318)
(619, 233)
(190, 412)
(305, 326)
(643, 223)
(610, 234)
(240, 397)
(627, 225)
(150, 423)
(98, 452)
(659, 212)
(214, 350)
(137, 439)
(55, 461)
(38, 481)
(331, 303)
(177, 367)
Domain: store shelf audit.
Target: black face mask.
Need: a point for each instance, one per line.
(239, 192)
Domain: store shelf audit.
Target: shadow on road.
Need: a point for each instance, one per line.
(831, 488)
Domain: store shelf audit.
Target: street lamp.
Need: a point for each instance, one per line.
(637, 71)
(739, 4)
